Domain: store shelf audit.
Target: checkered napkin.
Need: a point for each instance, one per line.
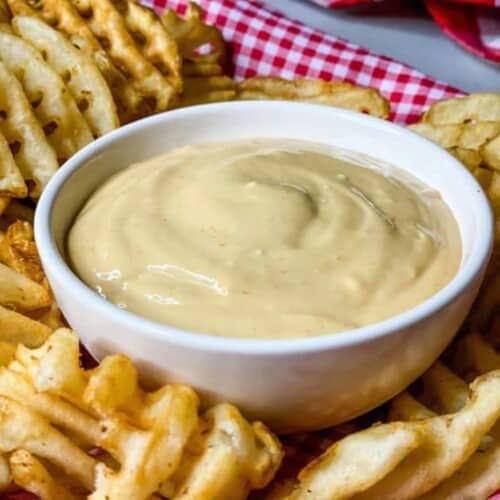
(473, 24)
(266, 43)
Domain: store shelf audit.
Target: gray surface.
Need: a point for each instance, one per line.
(411, 37)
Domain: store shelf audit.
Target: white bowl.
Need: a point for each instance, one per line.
(292, 385)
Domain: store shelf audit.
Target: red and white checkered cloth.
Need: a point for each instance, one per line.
(264, 42)
(473, 24)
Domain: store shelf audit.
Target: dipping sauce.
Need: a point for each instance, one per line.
(264, 239)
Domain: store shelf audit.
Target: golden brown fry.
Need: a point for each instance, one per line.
(108, 26)
(32, 153)
(63, 16)
(191, 35)
(19, 329)
(447, 136)
(63, 124)
(242, 456)
(205, 90)
(29, 474)
(21, 428)
(148, 434)
(78, 71)
(470, 158)
(155, 43)
(480, 107)
(436, 447)
(11, 179)
(19, 252)
(339, 94)
(21, 293)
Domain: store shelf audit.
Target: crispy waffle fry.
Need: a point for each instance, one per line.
(478, 478)
(447, 136)
(19, 329)
(21, 428)
(19, 252)
(32, 153)
(61, 15)
(242, 456)
(21, 293)
(155, 439)
(11, 180)
(436, 446)
(482, 107)
(469, 136)
(339, 94)
(108, 26)
(63, 124)
(28, 473)
(204, 90)
(155, 43)
(192, 36)
(79, 73)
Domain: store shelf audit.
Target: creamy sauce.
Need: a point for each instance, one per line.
(264, 239)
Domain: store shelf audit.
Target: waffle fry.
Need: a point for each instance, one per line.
(80, 74)
(11, 179)
(63, 124)
(32, 153)
(28, 473)
(63, 16)
(108, 26)
(469, 136)
(339, 94)
(19, 329)
(147, 435)
(192, 36)
(155, 43)
(204, 90)
(404, 459)
(19, 252)
(480, 107)
(21, 293)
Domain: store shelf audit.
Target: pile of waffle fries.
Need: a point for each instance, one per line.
(73, 70)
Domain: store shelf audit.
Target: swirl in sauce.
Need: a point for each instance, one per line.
(263, 239)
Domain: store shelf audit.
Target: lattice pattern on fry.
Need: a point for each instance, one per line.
(202, 46)
(154, 41)
(339, 94)
(153, 441)
(63, 124)
(32, 153)
(405, 459)
(11, 180)
(108, 26)
(78, 71)
(61, 15)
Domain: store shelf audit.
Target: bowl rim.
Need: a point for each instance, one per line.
(51, 257)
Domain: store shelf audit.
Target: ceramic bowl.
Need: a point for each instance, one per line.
(292, 385)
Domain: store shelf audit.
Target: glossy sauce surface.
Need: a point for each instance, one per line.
(264, 239)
